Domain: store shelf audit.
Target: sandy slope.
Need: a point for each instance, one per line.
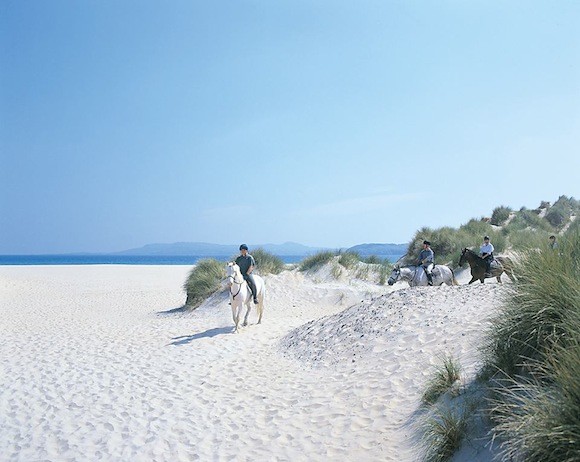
(96, 364)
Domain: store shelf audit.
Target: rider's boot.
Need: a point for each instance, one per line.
(429, 279)
(488, 270)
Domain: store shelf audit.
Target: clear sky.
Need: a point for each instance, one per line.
(329, 123)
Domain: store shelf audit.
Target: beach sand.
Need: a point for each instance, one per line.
(99, 363)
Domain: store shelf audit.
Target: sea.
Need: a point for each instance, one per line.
(132, 259)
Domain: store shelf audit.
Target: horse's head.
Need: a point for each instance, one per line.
(232, 270)
(395, 275)
(463, 256)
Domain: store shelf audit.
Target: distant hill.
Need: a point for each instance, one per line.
(205, 249)
(366, 250)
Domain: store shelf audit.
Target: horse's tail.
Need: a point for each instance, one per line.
(508, 267)
(453, 278)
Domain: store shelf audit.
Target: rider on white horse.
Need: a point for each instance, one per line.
(427, 260)
(247, 263)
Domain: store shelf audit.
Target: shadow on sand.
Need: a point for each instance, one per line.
(185, 339)
(180, 310)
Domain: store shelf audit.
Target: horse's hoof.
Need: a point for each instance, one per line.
(244, 324)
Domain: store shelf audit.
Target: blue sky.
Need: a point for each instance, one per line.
(329, 123)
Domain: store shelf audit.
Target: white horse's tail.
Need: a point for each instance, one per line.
(453, 278)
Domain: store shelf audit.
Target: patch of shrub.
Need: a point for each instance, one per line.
(569, 204)
(349, 259)
(528, 219)
(384, 271)
(445, 375)
(443, 432)
(528, 239)
(203, 280)
(500, 215)
(557, 216)
(543, 310)
(373, 260)
(539, 418)
(267, 263)
(315, 261)
(477, 228)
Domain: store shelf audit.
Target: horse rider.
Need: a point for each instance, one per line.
(427, 260)
(247, 263)
(486, 252)
(553, 243)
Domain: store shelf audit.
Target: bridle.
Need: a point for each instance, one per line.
(233, 281)
(397, 271)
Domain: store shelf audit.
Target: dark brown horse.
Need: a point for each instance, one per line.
(478, 266)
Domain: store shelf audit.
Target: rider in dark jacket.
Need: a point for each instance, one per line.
(247, 263)
(427, 260)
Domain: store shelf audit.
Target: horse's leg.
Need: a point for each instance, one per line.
(248, 302)
(473, 278)
(498, 277)
(260, 307)
(236, 316)
(248, 308)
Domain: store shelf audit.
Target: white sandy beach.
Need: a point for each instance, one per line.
(97, 363)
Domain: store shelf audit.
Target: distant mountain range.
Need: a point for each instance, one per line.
(204, 249)
(379, 249)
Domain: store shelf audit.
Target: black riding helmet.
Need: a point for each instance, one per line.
(243, 247)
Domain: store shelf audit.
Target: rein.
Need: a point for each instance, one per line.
(233, 278)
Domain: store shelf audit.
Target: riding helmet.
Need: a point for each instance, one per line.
(243, 247)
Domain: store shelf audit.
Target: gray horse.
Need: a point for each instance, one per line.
(415, 275)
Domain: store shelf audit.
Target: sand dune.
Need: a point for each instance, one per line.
(98, 363)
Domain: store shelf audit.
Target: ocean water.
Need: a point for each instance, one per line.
(129, 259)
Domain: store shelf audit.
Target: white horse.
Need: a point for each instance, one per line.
(415, 275)
(240, 294)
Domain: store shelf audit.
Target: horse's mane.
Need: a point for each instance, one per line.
(472, 252)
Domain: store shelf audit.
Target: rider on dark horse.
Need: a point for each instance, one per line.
(486, 252)
(247, 263)
(427, 260)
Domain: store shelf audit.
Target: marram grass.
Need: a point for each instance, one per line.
(349, 259)
(539, 418)
(315, 261)
(267, 263)
(533, 358)
(443, 432)
(542, 311)
(443, 378)
(203, 281)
